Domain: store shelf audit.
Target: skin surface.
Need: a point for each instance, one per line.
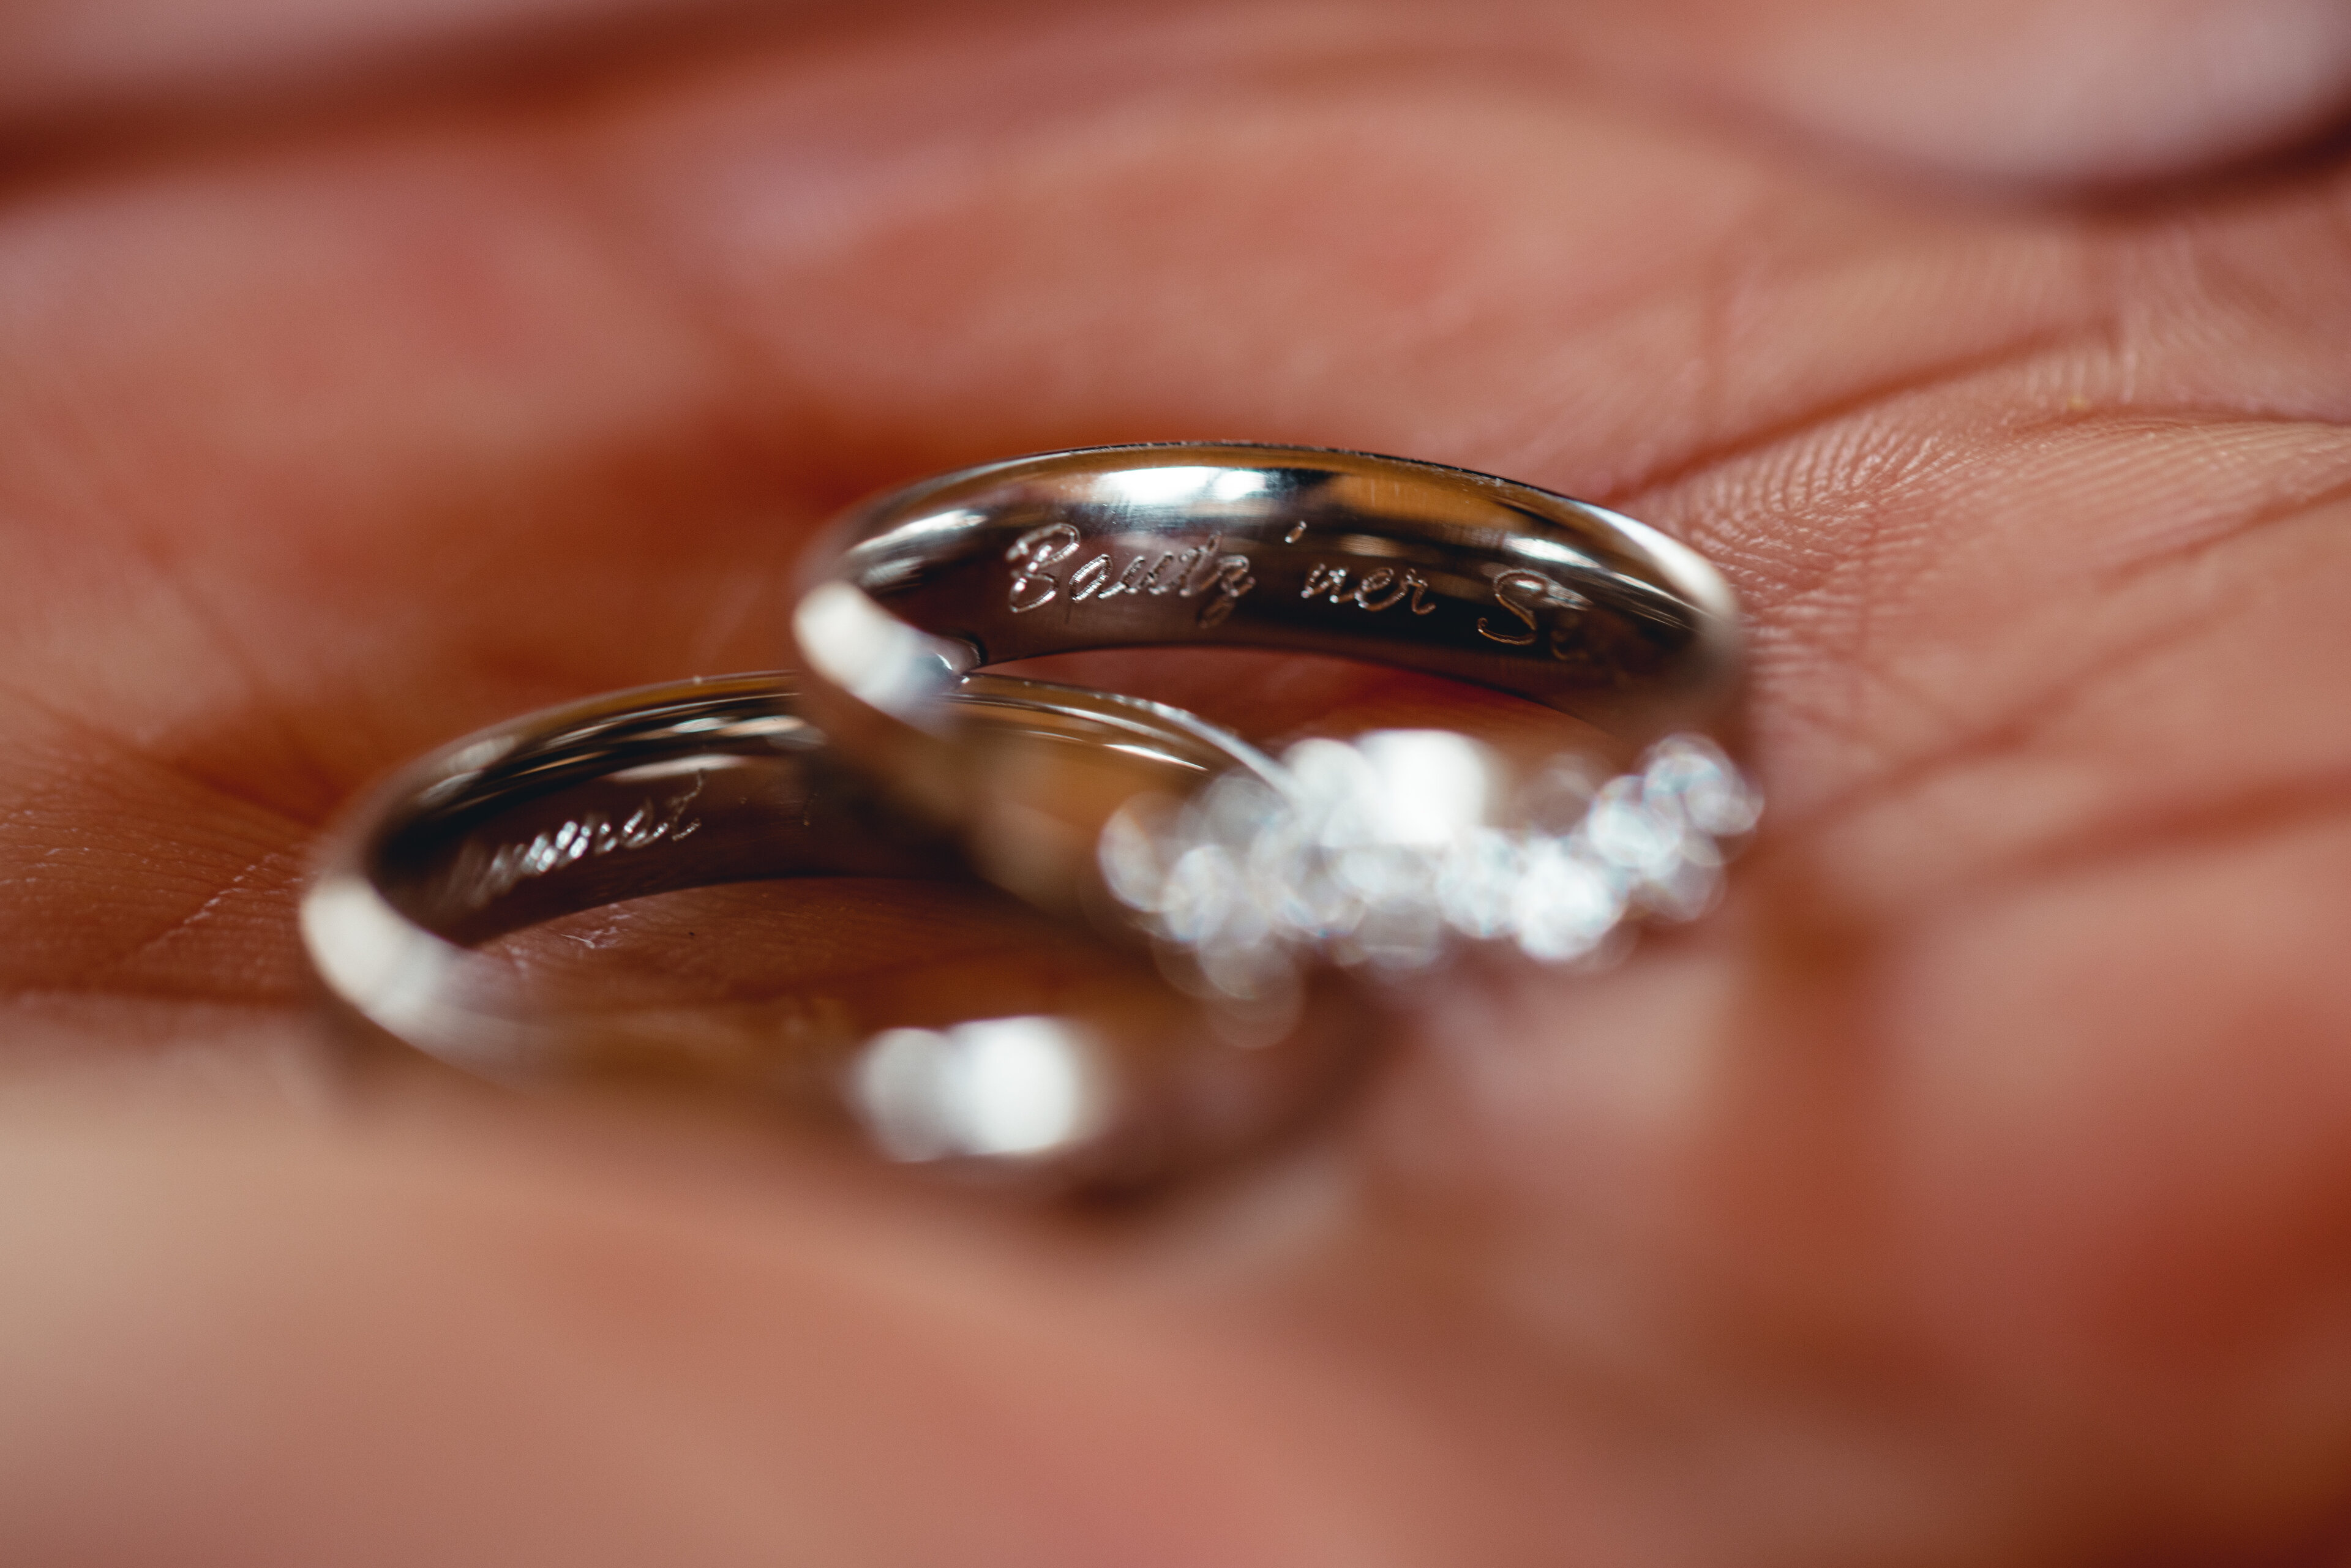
(1973, 1187)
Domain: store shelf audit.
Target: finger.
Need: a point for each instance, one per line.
(236, 1343)
(2065, 91)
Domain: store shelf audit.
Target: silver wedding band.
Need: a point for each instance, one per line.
(1378, 855)
(666, 788)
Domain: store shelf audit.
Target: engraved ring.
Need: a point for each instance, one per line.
(1374, 850)
(1113, 1080)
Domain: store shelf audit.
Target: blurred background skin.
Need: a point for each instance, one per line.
(1973, 1189)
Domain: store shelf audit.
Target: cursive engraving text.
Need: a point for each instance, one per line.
(1382, 588)
(1526, 595)
(482, 876)
(1031, 555)
(1202, 569)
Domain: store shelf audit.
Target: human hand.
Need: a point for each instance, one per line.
(1968, 1188)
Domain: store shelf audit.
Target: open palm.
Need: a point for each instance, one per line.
(1973, 1187)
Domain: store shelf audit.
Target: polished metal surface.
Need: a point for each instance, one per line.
(1382, 560)
(726, 781)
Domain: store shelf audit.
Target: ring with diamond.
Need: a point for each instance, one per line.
(1381, 851)
(499, 906)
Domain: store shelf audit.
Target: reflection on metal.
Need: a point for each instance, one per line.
(1007, 1088)
(872, 654)
(1376, 851)
(1177, 485)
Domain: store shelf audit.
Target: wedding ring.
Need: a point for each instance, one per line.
(1082, 1070)
(1378, 850)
